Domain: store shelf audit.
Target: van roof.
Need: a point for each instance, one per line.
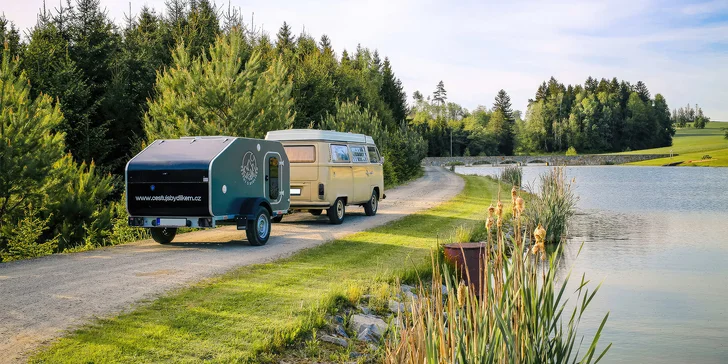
(314, 134)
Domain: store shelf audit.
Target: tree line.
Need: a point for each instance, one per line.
(596, 117)
(81, 95)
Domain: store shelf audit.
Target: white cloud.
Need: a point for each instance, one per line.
(477, 48)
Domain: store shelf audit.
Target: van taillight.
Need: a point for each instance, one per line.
(321, 190)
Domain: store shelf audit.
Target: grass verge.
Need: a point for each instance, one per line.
(691, 145)
(247, 314)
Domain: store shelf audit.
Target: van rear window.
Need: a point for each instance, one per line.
(301, 153)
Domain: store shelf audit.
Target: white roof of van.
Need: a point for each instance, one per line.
(314, 134)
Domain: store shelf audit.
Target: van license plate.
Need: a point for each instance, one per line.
(171, 222)
(295, 192)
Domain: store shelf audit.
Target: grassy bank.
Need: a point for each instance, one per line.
(691, 145)
(245, 314)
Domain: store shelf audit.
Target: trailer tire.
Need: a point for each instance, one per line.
(163, 235)
(277, 219)
(258, 230)
(337, 211)
(371, 207)
(316, 212)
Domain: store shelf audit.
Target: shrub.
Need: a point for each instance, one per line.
(571, 151)
(454, 163)
(552, 206)
(512, 175)
(24, 239)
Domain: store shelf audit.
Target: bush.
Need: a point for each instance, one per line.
(455, 163)
(571, 151)
(512, 175)
(24, 237)
(552, 206)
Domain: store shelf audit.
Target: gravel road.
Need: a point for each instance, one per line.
(41, 299)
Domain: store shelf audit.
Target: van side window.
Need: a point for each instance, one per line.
(339, 153)
(373, 155)
(358, 154)
(301, 153)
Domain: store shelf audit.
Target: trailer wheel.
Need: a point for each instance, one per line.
(277, 219)
(337, 211)
(163, 235)
(316, 212)
(258, 230)
(370, 208)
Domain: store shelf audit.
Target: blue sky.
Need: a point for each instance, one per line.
(678, 48)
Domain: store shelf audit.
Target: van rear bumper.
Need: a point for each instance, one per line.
(310, 205)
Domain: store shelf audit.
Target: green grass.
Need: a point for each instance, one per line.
(693, 144)
(245, 315)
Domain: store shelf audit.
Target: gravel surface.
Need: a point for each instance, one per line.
(41, 299)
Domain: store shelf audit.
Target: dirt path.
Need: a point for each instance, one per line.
(41, 299)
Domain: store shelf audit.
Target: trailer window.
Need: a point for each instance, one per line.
(373, 155)
(273, 184)
(339, 153)
(358, 154)
(301, 153)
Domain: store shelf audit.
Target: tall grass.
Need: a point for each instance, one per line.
(512, 175)
(520, 316)
(552, 205)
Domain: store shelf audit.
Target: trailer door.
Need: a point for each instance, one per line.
(273, 178)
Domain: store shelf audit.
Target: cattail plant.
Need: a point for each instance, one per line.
(552, 205)
(519, 316)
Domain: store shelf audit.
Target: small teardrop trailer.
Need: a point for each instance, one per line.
(202, 182)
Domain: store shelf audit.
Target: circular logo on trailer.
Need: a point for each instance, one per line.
(249, 168)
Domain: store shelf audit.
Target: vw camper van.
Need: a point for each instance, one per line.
(330, 170)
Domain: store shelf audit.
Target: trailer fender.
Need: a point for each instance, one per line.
(249, 206)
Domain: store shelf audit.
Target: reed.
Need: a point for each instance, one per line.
(512, 175)
(552, 205)
(519, 316)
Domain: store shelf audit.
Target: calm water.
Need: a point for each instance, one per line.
(658, 238)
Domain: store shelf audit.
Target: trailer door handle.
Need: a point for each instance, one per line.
(266, 177)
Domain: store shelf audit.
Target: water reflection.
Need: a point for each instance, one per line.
(658, 237)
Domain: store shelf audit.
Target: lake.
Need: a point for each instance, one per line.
(658, 238)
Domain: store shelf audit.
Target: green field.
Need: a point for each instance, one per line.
(691, 145)
(247, 314)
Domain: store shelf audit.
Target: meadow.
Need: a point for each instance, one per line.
(692, 145)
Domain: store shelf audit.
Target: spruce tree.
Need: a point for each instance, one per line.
(9, 35)
(284, 38)
(503, 104)
(392, 93)
(641, 89)
(325, 44)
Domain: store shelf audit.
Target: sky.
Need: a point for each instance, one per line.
(678, 48)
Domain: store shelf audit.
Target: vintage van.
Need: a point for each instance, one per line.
(330, 170)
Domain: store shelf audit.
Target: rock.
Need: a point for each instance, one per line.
(409, 296)
(365, 310)
(373, 347)
(339, 330)
(339, 319)
(406, 288)
(354, 355)
(334, 340)
(444, 290)
(367, 335)
(396, 307)
(376, 325)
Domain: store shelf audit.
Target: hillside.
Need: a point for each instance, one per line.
(691, 145)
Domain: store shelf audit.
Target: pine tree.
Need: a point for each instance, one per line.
(220, 95)
(440, 95)
(203, 26)
(284, 38)
(31, 144)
